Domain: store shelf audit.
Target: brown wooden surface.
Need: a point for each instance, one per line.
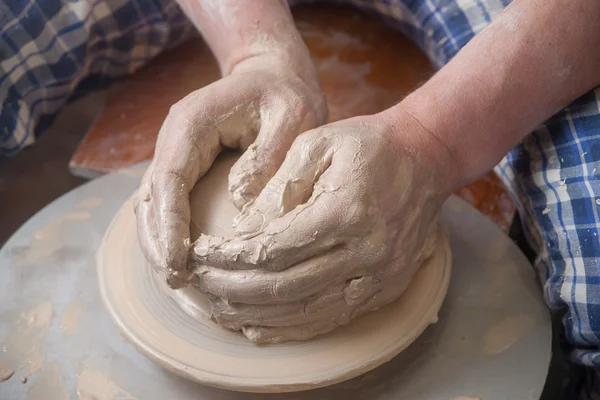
(363, 65)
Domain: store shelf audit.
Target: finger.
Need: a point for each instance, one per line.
(290, 186)
(189, 141)
(305, 331)
(329, 219)
(337, 301)
(301, 281)
(236, 316)
(307, 231)
(260, 161)
(177, 166)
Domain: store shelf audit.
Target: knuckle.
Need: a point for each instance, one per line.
(306, 145)
(303, 141)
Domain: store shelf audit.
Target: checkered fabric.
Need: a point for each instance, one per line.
(53, 50)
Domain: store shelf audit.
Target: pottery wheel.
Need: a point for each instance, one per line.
(493, 327)
(171, 327)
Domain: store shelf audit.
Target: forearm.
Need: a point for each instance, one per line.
(538, 56)
(237, 30)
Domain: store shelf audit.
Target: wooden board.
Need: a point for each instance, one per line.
(364, 67)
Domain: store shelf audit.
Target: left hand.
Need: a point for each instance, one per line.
(338, 231)
(261, 106)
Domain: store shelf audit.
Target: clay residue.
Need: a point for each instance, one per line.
(48, 385)
(47, 240)
(91, 202)
(6, 374)
(70, 317)
(502, 335)
(24, 346)
(50, 230)
(94, 385)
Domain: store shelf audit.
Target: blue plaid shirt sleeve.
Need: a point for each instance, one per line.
(50, 47)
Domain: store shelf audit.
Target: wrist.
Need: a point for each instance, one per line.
(286, 65)
(275, 59)
(281, 47)
(410, 133)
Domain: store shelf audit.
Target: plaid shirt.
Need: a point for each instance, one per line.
(48, 48)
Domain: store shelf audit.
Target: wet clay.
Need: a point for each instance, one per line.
(52, 228)
(172, 328)
(503, 334)
(48, 384)
(24, 346)
(6, 374)
(91, 202)
(94, 385)
(46, 241)
(70, 317)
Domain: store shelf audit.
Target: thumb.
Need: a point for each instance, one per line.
(260, 161)
(282, 120)
(290, 186)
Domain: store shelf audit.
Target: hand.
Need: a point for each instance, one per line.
(262, 106)
(338, 231)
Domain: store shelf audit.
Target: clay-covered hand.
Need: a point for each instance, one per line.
(338, 231)
(261, 106)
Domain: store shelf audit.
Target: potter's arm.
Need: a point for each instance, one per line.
(538, 56)
(237, 30)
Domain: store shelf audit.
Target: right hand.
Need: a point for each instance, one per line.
(338, 231)
(262, 106)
